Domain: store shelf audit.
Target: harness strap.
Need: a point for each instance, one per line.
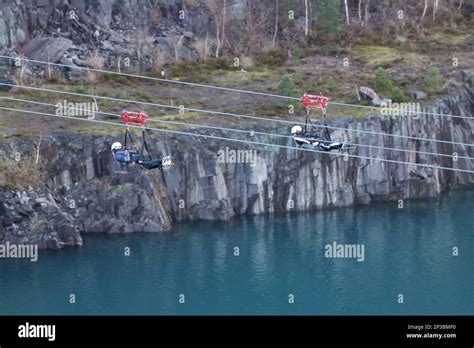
(128, 135)
(144, 146)
(307, 121)
(328, 135)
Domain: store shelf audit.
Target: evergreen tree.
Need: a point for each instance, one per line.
(287, 87)
(397, 95)
(328, 19)
(382, 84)
(434, 81)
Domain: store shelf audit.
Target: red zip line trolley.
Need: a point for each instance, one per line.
(314, 102)
(311, 101)
(133, 118)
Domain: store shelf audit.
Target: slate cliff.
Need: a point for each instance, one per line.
(85, 191)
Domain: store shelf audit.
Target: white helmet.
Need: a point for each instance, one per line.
(116, 146)
(296, 129)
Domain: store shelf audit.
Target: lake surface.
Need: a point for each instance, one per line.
(407, 251)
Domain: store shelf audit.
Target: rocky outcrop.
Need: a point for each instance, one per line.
(101, 20)
(147, 34)
(144, 32)
(86, 191)
(29, 218)
(47, 49)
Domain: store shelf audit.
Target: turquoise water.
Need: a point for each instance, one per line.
(407, 251)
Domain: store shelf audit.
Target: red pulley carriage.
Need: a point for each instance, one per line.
(134, 118)
(311, 101)
(314, 101)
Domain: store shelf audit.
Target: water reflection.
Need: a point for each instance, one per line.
(407, 251)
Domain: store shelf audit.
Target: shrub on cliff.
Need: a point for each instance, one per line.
(272, 58)
(21, 171)
(397, 95)
(434, 81)
(385, 87)
(287, 87)
(382, 84)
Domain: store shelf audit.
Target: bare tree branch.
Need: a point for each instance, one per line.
(223, 22)
(38, 149)
(359, 8)
(306, 21)
(276, 23)
(424, 10)
(435, 8)
(347, 12)
(366, 18)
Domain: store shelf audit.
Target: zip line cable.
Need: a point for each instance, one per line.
(242, 141)
(232, 114)
(220, 88)
(243, 131)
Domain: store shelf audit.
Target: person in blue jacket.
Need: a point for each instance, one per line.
(127, 156)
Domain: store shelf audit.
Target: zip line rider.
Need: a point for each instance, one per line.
(124, 155)
(301, 139)
(305, 136)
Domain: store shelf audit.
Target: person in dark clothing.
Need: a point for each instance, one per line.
(302, 138)
(328, 145)
(126, 156)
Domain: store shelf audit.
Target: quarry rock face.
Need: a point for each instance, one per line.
(26, 218)
(86, 191)
(50, 30)
(48, 49)
(148, 33)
